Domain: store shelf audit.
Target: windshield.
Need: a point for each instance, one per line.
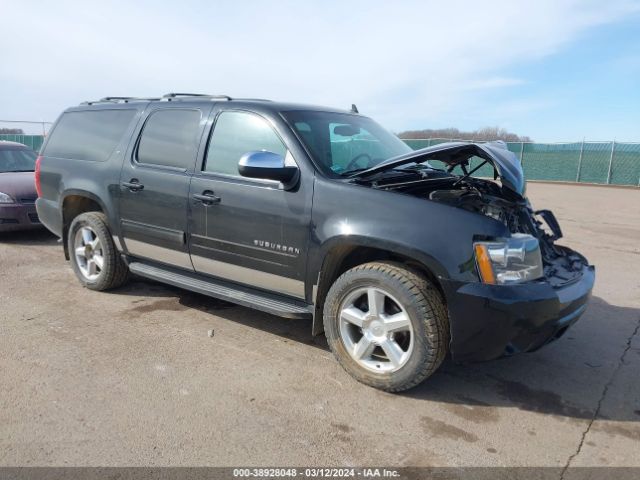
(17, 160)
(342, 143)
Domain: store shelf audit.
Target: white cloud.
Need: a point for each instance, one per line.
(402, 62)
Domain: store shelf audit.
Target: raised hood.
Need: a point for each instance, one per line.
(506, 164)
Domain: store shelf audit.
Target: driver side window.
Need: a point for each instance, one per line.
(236, 133)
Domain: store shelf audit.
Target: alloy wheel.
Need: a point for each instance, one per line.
(376, 330)
(88, 253)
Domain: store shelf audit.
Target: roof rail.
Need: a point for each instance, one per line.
(171, 96)
(111, 99)
(119, 100)
(168, 97)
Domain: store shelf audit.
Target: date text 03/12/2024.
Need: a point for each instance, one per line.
(315, 473)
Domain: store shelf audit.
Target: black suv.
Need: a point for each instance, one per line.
(399, 256)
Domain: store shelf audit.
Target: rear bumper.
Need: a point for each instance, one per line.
(50, 216)
(490, 321)
(18, 216)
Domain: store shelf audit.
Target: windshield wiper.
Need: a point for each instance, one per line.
(354, 171)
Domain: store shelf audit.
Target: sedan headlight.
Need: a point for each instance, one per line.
(4, 198)
(510, 260)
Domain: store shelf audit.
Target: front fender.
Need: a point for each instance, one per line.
(437, 236)
(349, 242)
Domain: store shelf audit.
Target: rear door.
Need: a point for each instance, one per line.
(154, 183)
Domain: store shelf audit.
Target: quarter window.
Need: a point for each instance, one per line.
(170, 138)
(236, 133)
(88, 135)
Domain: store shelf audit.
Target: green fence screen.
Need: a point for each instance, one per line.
(32, 141)
(614, 163)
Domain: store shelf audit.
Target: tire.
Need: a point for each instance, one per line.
(105, 274)
(423, 339)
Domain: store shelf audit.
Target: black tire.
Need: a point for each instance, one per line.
(114, 272)
(426, 310)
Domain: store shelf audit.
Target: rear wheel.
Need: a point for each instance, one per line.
(386, 325)
(94, 257)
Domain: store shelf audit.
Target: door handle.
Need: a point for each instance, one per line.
(134, 185)
(207, 198)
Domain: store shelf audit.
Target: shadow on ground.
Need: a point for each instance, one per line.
(40, 236)
(171, 298)
(505, 382)
(560, 379)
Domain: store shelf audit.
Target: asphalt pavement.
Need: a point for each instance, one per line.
(132, 377)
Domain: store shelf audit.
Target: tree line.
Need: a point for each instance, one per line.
(482, 134)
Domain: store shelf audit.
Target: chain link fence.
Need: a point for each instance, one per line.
(609, 163)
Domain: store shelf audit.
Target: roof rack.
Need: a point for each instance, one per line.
(167, 97)
(170, 96)
(119, 100)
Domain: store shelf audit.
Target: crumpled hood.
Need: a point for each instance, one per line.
(20, 185)
(505, 162)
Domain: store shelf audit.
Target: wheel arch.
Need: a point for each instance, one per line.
(344, 255)
(72, 204)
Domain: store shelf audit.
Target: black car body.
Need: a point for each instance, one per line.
(17, 188)
(277, 228)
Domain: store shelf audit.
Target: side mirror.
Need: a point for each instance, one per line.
(267, 166)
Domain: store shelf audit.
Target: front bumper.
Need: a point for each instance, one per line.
(490, 321)
(18, 216)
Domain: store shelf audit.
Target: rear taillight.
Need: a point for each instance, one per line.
(37, 176)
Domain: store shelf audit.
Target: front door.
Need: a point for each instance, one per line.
(248, 231)
(154, 185)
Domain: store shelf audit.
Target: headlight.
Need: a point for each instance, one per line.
(4, 198)
(510, 260)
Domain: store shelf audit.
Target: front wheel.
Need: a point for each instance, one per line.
(387, 325)
(94, 257)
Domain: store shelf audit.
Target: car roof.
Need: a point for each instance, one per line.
(200, 99)
(6, 145)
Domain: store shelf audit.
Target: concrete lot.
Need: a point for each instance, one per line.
(132, 378)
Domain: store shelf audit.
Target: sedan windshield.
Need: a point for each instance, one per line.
(343, 143)
(17, 160)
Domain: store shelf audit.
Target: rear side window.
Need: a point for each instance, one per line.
(235, 134)
(88, 135)
(170, 138)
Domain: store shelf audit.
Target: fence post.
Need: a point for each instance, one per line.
(580, 161)
(521, 150)
(613, 149)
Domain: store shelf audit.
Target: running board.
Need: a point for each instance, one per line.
(225, 291)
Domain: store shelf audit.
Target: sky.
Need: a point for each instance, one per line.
(555, 70)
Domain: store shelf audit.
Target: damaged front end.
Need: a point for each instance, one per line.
(529, 289)
(559, 264)
(501, 199)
